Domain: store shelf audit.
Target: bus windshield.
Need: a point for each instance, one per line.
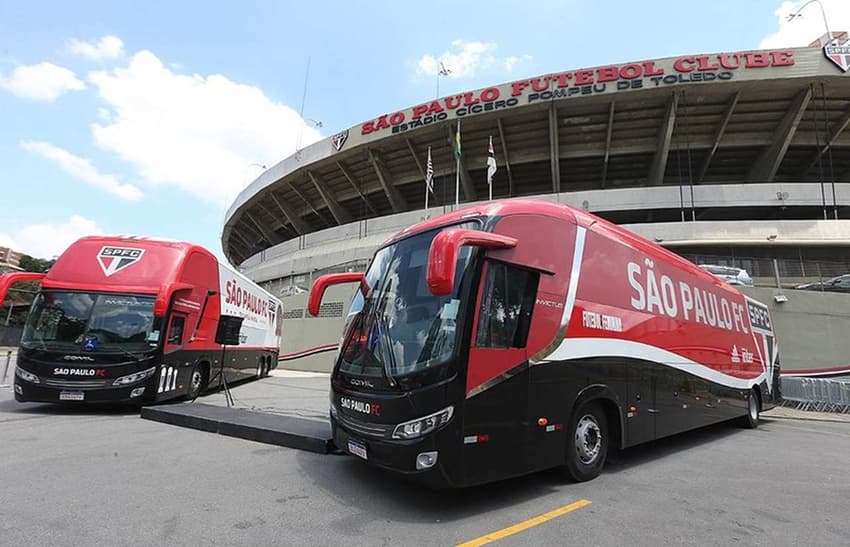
(90, 322)
(396, 326)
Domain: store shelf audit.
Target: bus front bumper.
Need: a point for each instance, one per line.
(399, 456)
(30, 392)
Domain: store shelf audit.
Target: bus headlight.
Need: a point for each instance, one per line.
(135, 377)
(26, 376)
(423, 426)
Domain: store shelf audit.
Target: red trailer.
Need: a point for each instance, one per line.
(520, 335)
(121, 319)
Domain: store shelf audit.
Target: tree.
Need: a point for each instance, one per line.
(39, 265)
(20, 295)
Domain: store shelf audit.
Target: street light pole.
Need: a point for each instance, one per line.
(797, 13)
(442, 72)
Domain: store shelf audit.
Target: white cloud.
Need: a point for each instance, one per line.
(109, 47)
(41, 82)
(198, 133)
(466, 59)
(511, 61)
(82, 169)
(49, 239)
(809, 26)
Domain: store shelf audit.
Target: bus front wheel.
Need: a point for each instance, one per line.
(198, 381)
(587, 443)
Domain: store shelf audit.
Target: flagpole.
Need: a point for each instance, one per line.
(491, 166)
(426, 199)
(457, 165)
(457, 182)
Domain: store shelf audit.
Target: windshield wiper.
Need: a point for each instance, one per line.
(389, 363)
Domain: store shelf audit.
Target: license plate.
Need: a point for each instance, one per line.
(357, 448)
(71, 395)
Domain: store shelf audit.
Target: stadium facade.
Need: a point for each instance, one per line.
(733, 158)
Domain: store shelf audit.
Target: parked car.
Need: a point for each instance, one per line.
(729, 274)
(836, 284)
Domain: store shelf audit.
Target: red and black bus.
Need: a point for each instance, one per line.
(522, 335)
(128, 319)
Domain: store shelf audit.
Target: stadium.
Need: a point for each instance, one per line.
(737, 159)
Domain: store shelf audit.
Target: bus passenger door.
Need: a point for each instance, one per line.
(175, 338)
(495, 413)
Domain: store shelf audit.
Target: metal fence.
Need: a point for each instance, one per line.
(786, 273)
(819, 394)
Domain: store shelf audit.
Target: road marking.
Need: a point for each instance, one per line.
(524, 525)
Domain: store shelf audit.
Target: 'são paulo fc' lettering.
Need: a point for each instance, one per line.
(244, 299)
(661, 295)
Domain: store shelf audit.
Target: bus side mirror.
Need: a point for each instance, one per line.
(227, 333)
(9, 279)
(442, 257)
(320, 285)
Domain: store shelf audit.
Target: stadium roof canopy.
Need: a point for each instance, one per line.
(748, 117)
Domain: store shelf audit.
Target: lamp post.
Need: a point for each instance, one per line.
(442, 72)
(797, 13)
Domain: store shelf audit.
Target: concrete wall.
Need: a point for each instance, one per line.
(812, 328)
(358, 240)
(310, 332)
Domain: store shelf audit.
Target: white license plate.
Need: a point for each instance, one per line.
(71, 395)
(358, 449)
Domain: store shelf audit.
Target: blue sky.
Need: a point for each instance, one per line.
(146, 117)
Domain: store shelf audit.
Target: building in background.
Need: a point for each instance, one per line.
(730, 159)
(9, 260)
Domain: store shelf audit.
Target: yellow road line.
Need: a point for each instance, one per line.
(524, 525)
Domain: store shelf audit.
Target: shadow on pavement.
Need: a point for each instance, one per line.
(89, 409)
(386, 496)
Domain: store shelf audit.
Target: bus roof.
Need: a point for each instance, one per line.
(120, 264)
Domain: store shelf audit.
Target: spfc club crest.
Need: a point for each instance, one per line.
(840, 55)
(339, 139)
(114, 259)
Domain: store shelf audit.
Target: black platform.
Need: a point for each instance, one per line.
(289, 431)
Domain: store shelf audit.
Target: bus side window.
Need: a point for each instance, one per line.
(505, 315)
(175, 331)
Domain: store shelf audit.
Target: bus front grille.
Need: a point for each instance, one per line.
(75, 384)
(367, 429)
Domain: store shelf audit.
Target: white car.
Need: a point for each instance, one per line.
(729, 274)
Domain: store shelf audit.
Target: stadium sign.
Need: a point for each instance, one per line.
(839, 54)
(687, 69)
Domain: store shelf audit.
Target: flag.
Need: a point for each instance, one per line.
(457, 141)
(429, 173)
(491, 163)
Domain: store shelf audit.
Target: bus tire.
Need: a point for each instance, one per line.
(198, 381)
(751, 420)
(587, 443)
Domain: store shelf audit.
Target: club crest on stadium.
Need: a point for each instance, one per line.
(338, 140)
(840, 55)
(114, 259)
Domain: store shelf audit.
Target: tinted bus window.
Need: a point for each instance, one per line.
(175, 333)
(505, 314)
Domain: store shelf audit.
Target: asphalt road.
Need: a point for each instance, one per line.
(107, 477)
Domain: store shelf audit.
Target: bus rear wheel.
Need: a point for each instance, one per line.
(587, 443)
(751, 420)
